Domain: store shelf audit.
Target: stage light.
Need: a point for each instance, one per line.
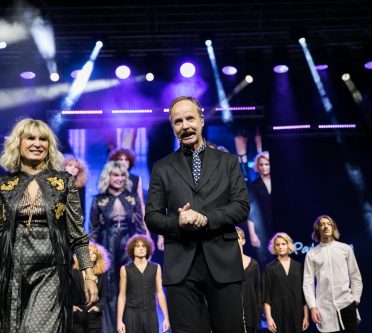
(54, 77)
(291, 127)
(75, 73)
(281, 69)
(12, 32)
(122, 72)
(187, 70)
(150, 77)
(124, 111)
(237, 108)
(99, 44)
(368, 65)
(2, 45)
(229, 70)
(85, 112)
(208, 42)
(321, 67)
(337, 126)
(248, 78)
(222, 98)
(355, 93)
(28, 75)
(314, 73)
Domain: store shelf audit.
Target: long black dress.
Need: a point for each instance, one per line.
(140, 308)
(251, 290)
(285, 296)
(37, 240)
(114, 219)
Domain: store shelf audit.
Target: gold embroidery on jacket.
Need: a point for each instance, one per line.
(60, 208)
(10, 185)
(57, 183)
(103, 202)
(131, 200)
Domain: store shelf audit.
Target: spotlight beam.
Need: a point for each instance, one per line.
(224, 103)
(318, 82)
(81, 80)
(10, 98)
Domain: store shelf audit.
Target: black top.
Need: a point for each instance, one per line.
(285, 296)
(261, 205)
(141, 287)
(252, 303)
(135, 180)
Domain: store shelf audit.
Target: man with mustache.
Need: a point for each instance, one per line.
(334, 298)
(196, 197)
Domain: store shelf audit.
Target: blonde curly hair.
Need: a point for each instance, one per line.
(10, 158)
(103, 261)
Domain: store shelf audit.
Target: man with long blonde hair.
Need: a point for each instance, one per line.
(334, 298)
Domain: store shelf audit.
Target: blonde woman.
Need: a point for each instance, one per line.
(284, 302)
(41, 226)
(87, 319)
(115, 216)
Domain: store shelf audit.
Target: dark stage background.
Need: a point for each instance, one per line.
(313, 170)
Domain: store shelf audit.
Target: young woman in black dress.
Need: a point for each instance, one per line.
(283, 298)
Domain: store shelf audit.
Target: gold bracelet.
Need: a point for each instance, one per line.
(91, 277)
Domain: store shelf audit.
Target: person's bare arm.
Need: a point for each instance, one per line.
(121, 300)
(162, 300)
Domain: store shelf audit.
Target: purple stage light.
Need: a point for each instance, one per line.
(82, 112)
(75, 73)
(281, 69)
(338, 126)
(368, 65)
(28, 75)
(291, 127)
(229, 70)
(187, 70)
(131, 111)
(122, 72)
(3, 45)
(321, 67)
(237, 108)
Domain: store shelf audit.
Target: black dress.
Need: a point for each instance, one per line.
(261, 210)
(140, 308)
(114, 219)
(285, 296)
(37, 239)
(251, 290)
(88, 322)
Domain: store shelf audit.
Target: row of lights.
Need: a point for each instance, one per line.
(129, 111)
(308, 126)
(187, 69)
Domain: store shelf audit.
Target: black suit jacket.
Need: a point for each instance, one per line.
(222, 196)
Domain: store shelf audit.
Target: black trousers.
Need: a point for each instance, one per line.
(199, 304)
(87, 322)
(349, 319)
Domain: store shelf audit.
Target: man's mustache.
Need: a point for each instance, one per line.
(184, 134)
